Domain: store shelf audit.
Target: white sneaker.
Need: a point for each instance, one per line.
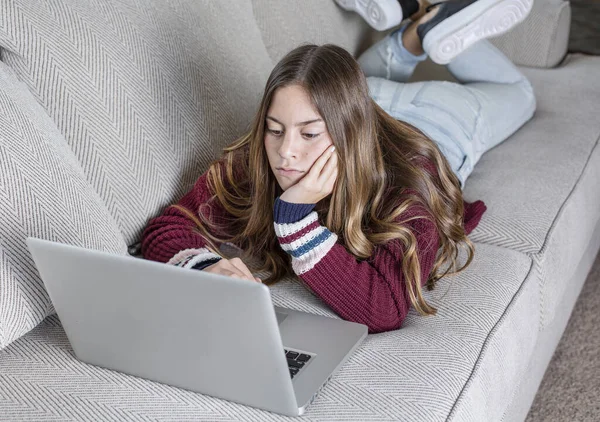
(380, 14)
(458, 24)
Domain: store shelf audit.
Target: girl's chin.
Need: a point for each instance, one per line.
(285, 184)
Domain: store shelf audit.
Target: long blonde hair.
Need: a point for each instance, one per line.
(379, 158)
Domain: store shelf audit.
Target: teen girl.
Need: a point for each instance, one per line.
(351, 179)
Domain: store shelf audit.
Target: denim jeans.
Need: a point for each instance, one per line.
(491, 101)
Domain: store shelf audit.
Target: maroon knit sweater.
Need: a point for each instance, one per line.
(371, 292)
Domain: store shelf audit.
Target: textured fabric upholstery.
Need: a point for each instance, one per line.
(43, 193)
(552, 149)
(146, 93)
(286, 24)
(388, 377)
(525, 390)
(552, 218)
(541, 40)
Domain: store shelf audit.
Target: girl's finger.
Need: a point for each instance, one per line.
(240, 266)
(318, 165)
(331, 182)
(329, 168)
(226, 268)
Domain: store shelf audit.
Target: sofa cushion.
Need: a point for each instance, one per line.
(145, 93)
(286, 24)
(541, 184)
(541, 40)
(553, 149)
(43, 193)
(429, 370)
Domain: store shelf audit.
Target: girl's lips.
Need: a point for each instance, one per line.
(288, 172)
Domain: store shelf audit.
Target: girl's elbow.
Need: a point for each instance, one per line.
(386, 324)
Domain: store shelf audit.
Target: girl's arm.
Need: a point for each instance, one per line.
(172, 238)
(371, 292)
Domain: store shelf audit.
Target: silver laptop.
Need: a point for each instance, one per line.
(192, 329)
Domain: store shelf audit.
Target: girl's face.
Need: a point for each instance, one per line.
(295, 135)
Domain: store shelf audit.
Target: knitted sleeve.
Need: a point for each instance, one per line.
(171, 237)
(473, 212)
(371, 292)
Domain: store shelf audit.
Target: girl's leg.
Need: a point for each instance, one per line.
(495, 98)
(505, 95)
(492, 102)
(387, 65)
(465, 120)
(389, 59)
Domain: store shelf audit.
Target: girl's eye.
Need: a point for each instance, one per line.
(307, 135)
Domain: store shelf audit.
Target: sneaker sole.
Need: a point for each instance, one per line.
(379, 14)
(486, 19)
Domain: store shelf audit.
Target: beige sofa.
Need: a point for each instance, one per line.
(112, 108)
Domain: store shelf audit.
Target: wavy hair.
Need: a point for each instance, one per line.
(379, 158)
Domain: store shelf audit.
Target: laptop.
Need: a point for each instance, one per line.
(203, 332)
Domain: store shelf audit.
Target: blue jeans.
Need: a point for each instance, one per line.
(466, 119)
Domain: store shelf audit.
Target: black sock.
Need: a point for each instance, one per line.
(409, 7)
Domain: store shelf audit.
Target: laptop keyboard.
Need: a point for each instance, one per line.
(296, 361)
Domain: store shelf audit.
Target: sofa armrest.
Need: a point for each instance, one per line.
(542, 39)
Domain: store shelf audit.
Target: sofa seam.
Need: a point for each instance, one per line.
(541, 297)
(539, 256)
(544, 246)
(486, 342)
(533, 256)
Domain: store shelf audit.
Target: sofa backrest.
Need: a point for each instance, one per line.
(542, 38)
(286, 24)
(146, 94)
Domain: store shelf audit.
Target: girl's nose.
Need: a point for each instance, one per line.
(288, 146)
